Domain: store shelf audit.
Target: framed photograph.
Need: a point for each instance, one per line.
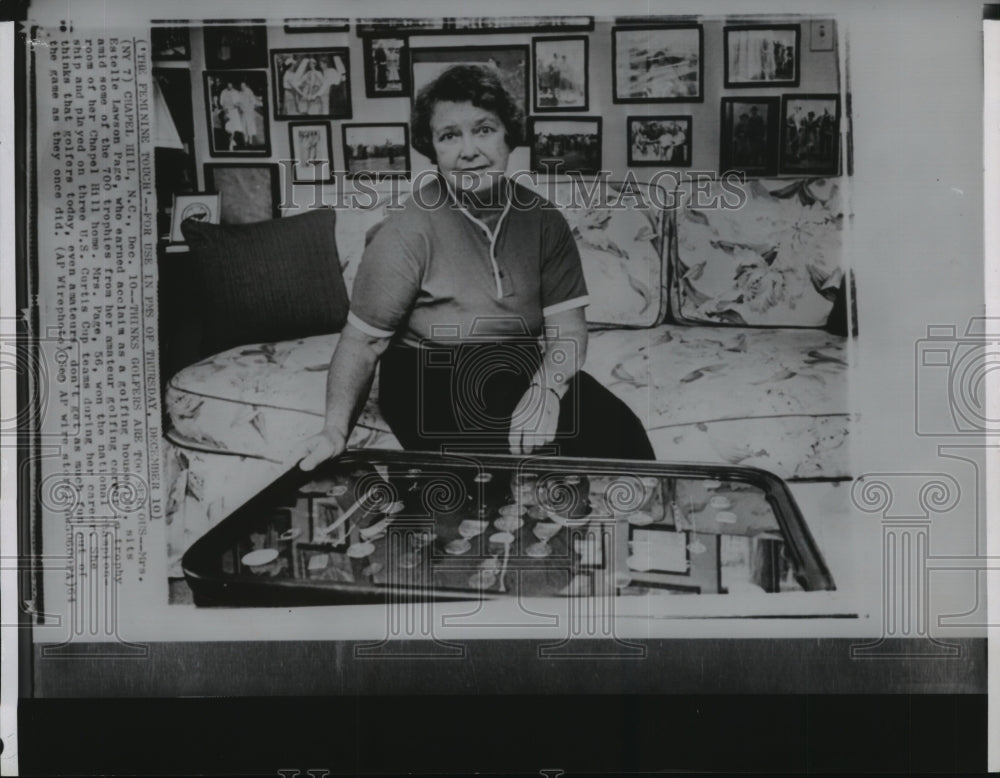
(810, 134)
(236, 109)
(475, 24)
(377, 150)
(170, 43)
(821, 35)
(312, 152)
(658, 63)
(659, 141)
(749, 135)
(316, 25)
(201, 206)
(238, 46)
(249, 192)
(561, 74)
(387, 66)
(511, 62)
(561, 146)
(313, 83)
(762, 55)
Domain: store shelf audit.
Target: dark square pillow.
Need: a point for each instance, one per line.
(267, 281)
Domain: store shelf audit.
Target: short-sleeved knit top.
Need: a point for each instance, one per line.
(435, 273)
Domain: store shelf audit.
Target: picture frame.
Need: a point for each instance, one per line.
(311, 152)
(235, 46)
(566, 145)
(170, 44)
(749, 135)
(376, 150)
(762, 55)
(307, 25)
(202, 206)
(659, 141)
(474, 24)
(511, 60)
(313, 83)
(561, 73)
(658, 63)
(387, 65)
(822, 35)
(250, 192)
(810, 134)
(236, 113)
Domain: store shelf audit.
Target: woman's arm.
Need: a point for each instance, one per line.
(347, 386)
(536, 418)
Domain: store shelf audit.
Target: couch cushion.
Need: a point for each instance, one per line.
(775, 261)
(268, 281)
(254, 400)
(621, 248)
(772, 398)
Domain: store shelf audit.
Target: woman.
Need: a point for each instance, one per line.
(472, 296)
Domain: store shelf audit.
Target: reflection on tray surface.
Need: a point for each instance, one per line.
(512, 529)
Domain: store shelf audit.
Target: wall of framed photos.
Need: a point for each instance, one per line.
(657, 93)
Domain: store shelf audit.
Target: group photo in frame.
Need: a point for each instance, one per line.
(237, 46)
(565, 145)
(312, 83)
(749, 135)
(658, 63)
(170, 44)
(810, 134)
(659, 141)
(387, 66)
(475, 24)
(509, 61)
(376, 151)
(249, 192)
(561, 73)
(200, 206)
(236, 113)
(762, 55)
(312, 152)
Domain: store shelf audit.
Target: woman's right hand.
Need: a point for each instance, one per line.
(327, 444)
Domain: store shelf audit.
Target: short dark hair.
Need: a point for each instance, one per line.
(474, 84)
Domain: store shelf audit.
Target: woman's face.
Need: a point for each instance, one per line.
(470, 145)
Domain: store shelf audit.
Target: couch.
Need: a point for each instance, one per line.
(725, 329)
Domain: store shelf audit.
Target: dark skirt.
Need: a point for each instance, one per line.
(462, 397)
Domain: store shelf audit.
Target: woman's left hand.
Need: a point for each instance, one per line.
(534, 421)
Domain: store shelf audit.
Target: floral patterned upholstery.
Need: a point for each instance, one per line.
(621, 249)
(776, 261)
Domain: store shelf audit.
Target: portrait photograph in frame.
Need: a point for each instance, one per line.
(249, 192)
(658, 63)
(236, 113)
(387, 66)
(560, 66)
(200, 206)
(762, 55)
(565, 145)
(659, 141)
(238, 46)
(510, 62)
(311, 83)
(312, 152)
(170, 44)
(749, 135)
(810, 134)
(376, 151)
